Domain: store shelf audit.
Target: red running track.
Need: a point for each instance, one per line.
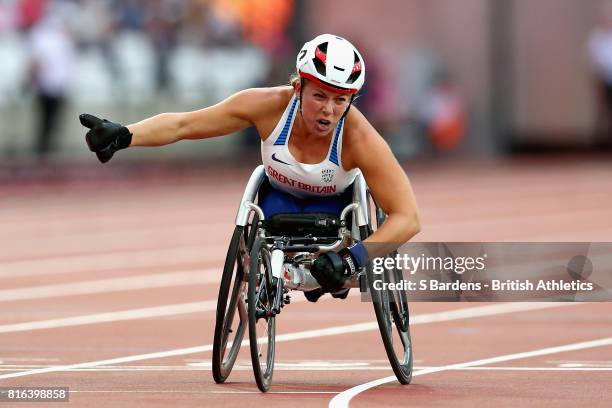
(128, 271)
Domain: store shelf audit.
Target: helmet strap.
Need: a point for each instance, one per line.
(347, 108)
(301, 92)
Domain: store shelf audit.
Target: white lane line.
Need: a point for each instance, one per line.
(342, 400)
(582, 363)
(14, 359)
(196, 392)
(118, 360)
(97, 222)
(578, 365)
(531, 368)
(488, 310)
(272, 392)
(122, 315)
(466, 313)
(131, 314)
(208, 306)
(134, 239)
(306, 367)
(143, 258)
(160, 280)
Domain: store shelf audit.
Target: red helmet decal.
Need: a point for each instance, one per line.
(320, 55)
(356, 67)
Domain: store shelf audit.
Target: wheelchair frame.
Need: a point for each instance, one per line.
(252, 249)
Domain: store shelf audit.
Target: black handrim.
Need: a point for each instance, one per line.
(262, 324)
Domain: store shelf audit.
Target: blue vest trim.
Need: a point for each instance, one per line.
(333, 156)
(282, 138)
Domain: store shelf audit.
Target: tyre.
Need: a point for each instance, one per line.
(231, 320)
(392, 314)
(262, 322)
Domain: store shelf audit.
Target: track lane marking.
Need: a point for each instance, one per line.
(123, 315)
(94, 223)
(197, 392)
(480, 311)
(140, 258)
(45, 247)
(210, 305)
(342, 400)
(134, 282)
(246, 366)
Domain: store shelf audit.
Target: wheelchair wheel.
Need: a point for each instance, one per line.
(262, 322)
(229, 326)
(392, 314)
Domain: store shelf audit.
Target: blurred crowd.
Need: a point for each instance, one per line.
(99, 52)
(123, 54)
(159, 25)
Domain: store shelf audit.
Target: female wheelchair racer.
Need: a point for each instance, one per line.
(314, 143)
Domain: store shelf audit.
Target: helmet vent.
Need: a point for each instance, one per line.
(320, 66)
(356, 70)
(320, 59)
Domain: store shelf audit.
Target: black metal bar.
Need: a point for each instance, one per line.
(301, 248)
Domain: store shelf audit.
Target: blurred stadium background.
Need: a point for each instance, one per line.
(469, 78)
(496, 108)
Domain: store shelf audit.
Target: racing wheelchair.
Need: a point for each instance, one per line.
(267, 258)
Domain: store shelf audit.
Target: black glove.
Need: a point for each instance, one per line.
(332, 269)
(105, 138)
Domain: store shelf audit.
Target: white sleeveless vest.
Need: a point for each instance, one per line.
(302, 180)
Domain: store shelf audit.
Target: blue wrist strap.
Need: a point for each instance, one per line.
(359, 253)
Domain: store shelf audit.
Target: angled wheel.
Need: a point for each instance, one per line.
(392, 314)
(231, 320)
(262, 322)
(391, 308)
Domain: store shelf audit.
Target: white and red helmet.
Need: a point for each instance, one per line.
(333, 63)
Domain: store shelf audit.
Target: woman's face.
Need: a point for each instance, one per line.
(322, 109)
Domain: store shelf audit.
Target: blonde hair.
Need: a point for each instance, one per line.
(294, 79)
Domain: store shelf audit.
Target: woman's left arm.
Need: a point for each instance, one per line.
(364, 148)
(387, 182)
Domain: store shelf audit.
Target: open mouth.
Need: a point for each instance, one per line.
(323, 123)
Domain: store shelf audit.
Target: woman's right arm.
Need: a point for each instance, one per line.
(246, 108)
(237, 112)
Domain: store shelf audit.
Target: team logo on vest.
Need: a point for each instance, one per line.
(327, 175)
